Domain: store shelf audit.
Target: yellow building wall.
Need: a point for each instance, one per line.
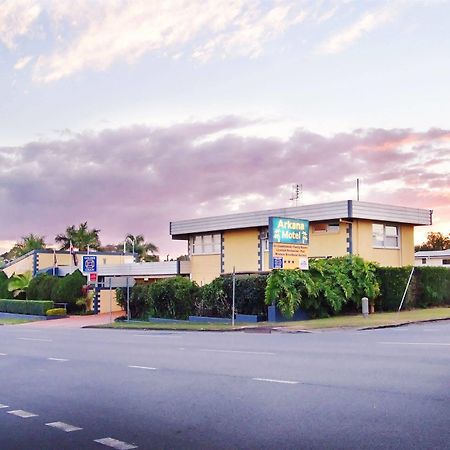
(362, 245)
(328, 244)
(22, 266)
(107, 301)
(241, 250)
(204, 268)
(45, 260)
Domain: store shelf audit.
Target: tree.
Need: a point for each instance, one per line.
(18, 284)
(80, 238)
(27, 244)
(144, 251)
(435, 241)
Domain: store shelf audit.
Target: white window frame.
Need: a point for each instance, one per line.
(386, 236)
(205, 244)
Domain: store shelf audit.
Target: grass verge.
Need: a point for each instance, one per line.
(14, 321)
(357, 321)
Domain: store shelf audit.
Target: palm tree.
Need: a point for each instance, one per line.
(27, 244)
(144, 251)
(80, 237)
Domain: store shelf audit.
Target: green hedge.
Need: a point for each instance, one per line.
(430, 286)
(34, 307)
(4, 280)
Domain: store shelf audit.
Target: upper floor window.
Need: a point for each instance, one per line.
(385, 235)
(205, 244)
(322, 228)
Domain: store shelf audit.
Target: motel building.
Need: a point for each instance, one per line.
(262, 240)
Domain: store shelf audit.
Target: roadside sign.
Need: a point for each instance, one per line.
(89, 263)
(92, 276)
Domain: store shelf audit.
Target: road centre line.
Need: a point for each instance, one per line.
(34, 339)
(143, 367)
(3, 354)
(23, 414)
(114, 443)
(63, 426)
(57, 359)
(3, 406)
(236, 351)
(270, 380)
(416, 343)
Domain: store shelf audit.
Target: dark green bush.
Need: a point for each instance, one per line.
(34, 307)
(434, 286)
(68, 290)
(216, 298)
(173, 298)
(41, 287)
(392, 282)
(4, 292)
(139, 300)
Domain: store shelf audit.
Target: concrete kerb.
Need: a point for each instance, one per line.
(396, 325)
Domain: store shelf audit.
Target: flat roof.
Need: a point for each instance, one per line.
(432, 253)
(346, 209)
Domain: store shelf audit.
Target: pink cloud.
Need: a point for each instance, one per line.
(137, 179)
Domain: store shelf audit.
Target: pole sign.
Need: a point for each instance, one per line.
(288, 243)
(89, 263)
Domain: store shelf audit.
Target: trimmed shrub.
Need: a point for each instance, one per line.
(69, 289)
(41, 287)
(173, 298)
(34, 307)
(139, 300)
(56, 312)
(393, 283)
(432, 286)
(213, 300)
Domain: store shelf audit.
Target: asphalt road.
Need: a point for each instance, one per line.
(386, 389)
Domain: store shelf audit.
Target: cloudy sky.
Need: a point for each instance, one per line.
(129, 114)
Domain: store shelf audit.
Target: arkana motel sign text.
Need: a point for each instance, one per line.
(288, 243)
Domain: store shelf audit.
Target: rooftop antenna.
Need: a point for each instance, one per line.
(357, 189)
(297, 192)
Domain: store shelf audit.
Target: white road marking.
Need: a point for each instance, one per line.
(23, 414)
(63, 426)
(416, 343)
(181, 348)
(143, 367)
(114, 443)
(236, 351)
(34, 339)
(57, 359)
(269, 380)
(3, 406)
(3, 354)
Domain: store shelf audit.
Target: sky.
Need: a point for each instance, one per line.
(132, 114)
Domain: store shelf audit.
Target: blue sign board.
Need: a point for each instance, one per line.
(89, 263)
(277, 263)
(288, 231)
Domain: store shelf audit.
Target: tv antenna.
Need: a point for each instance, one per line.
(297, 192)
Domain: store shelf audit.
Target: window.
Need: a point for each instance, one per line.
(323, 228)
(205, 244)
(446, 262)
(385, 236)
(424, 260)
